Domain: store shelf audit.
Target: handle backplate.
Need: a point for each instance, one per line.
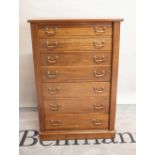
(99, 29)
(98, 106)
(50, 31)
(97, 122)
(54, 107)
(51, 45)
(98, 44)
(99, 74)
(98, 90)
(99, 60)
(52, 60)
(52, 74)
(53, 91)
(56, 122)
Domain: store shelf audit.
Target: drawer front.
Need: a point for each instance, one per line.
(52, 31)
(77, 105)
(72, 59)
(78, 74)
(75, 89)
(72, 44)
(76, 121)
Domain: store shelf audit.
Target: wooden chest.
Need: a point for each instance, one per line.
(76, 64)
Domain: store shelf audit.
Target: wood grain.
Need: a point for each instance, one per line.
(36, 57)
(74, 59)
(71, 44)
(77, 121)
(58, 31)
(77, 105)
(77, 134)
(75, 89)
(72, 102)
(116, 32)
(76, 74)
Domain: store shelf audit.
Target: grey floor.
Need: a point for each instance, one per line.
(123, 144)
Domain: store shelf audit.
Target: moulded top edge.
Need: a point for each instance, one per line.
(74, 20)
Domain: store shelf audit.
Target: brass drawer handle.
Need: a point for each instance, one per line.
(51, 45)
(99, 29)
(98, 107)
(99, 75)
(97, 122)
(52, 74)
(98, 44)
(52, 60)
(50, 32)
(99, 90)
(55, 107)
(99, 59)
(56, 122)
(53, 91)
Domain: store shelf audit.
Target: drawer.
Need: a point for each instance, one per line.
(75, 89)
(76, 121)
(71, 44)
(53, 31)
(75, 74)
(77, 105)
(73, 59)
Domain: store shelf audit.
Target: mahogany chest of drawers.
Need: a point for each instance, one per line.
(76, 65)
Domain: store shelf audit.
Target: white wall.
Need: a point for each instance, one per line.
(30, 9)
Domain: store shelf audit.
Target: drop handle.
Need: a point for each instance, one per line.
(99, 59)
(56, 122)
(53, 91)
(97, 122)
(51, 45)
(52, 74)
(51, 31)
(99, 29)
(98, 107)
(55, 107)
(98, 44)
(98, 90)
(99, 74)
(52, 60)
